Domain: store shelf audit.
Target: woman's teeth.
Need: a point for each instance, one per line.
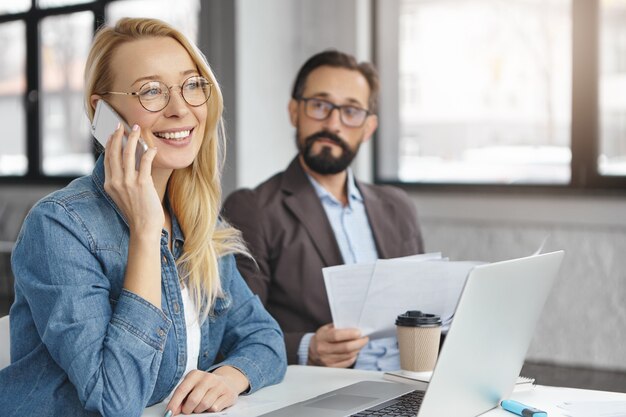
(173, 135)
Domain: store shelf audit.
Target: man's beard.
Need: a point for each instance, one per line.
(324, 162)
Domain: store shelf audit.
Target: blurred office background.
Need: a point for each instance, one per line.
(505, 121)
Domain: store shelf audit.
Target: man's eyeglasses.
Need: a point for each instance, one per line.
(155, 95)
(318, 109)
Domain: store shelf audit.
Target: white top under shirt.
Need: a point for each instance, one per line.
(193, 336)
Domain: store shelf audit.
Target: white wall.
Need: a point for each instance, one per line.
(274, 38)
(584, 322)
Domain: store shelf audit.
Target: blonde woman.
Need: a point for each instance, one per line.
(127, 292)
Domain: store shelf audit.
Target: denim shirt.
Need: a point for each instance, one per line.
(82, 345)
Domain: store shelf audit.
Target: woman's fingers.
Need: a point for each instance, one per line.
(201, 400)
(214, 400)
(201, 392)
(222, 402)
(132, 191)
(181, 393)
(129, 153)
(145, 167)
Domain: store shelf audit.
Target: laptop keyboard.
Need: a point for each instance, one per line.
(406, 405)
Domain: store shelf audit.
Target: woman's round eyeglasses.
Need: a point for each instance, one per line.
(155, 95)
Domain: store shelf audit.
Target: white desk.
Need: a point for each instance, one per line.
(304, 382)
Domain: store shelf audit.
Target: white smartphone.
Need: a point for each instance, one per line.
(104, 123)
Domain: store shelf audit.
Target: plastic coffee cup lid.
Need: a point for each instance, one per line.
(415, 318)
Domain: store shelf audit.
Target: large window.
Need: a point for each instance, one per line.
(612, 157)
(12, 90)
(502, 92)
(43, 47)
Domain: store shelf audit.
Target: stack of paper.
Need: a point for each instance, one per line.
(370, 296)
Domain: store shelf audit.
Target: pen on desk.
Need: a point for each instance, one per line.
(521, 409)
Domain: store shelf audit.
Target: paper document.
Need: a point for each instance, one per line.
(347, 287)
(594, 408)
(370, 296)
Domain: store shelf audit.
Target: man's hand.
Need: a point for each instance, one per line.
(337, 348)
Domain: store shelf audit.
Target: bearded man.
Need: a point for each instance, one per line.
(316, 214)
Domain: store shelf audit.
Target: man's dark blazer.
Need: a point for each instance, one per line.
(287, 231)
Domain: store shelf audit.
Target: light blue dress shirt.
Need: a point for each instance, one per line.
(356, 243)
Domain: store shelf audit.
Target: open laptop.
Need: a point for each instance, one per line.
(482, 355)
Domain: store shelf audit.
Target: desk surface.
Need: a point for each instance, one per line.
(304, 382)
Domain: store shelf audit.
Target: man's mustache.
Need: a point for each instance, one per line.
(325, 135)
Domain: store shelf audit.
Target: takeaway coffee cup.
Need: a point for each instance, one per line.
(418, 340)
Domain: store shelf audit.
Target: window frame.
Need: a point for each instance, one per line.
(585, 110)
(31, 98)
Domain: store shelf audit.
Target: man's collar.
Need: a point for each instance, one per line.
(352, 190)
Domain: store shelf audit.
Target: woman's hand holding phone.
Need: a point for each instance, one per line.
(133, 191)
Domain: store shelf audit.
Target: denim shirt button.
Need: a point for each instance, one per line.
(161, 332)
(206, 353)
(164, 260)
(176, 307)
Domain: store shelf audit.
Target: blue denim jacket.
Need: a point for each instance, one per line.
(82, 345)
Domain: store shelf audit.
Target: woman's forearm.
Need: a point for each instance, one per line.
(143, 271)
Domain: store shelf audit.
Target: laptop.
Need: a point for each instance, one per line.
(482, 355)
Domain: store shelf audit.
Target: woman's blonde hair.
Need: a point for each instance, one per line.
(194, 192)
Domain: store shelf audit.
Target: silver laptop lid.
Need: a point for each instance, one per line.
(492, 328)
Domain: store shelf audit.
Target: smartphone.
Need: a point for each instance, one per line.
(105, 121)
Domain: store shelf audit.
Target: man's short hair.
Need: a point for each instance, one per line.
(336, 59)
